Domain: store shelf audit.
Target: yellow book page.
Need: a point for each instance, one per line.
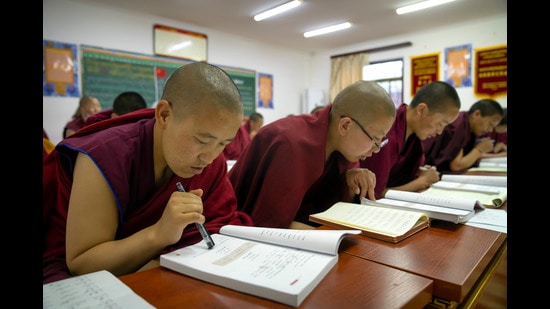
(388, 221)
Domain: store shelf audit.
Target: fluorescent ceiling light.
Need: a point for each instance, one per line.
(420, 6)
(277, 10)
(325, 30)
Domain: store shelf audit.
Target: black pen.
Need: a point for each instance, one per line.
(202, 229)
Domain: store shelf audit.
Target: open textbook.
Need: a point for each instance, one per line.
(448, 208)
(490, 219)
(283, 265)
(487, 180)
(383, 223)
(490, 191)
(99, 289)
(493, 164)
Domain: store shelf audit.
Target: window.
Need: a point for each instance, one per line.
(389, 75)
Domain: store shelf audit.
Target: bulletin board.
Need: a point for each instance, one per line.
(106, 73)
(265, 84)
(458, 66)
(60, 69)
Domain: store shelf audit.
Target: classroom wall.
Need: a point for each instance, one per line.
(101, 26)
(480, 34)
(293, 72)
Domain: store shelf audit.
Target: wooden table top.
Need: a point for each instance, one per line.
(446, 261)
(454, 256)
(352, 283)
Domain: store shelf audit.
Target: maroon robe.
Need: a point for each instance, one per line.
(396, 163)
(499, 137)
(442, 149)
(45, 141)
(122, 148)
(282, 175)
(104, 114)
(234, 149)
(75, 125)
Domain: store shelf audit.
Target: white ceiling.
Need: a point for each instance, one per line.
(370, 19)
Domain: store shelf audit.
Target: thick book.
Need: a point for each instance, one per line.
(447, 205)
(283, 265)
(450, 214)
(452, 205)
(494, 162)
(444, 200)
(490, 191)
(99, 289)
(392, 225)
(487, 180)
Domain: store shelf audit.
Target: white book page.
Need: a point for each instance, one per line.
(324, 241)
(252, 267)
(494, 160)
(449, 185)
(503, 169)
(493, 164)
(439, 200)
(95, 290)
(492, 219)
(418, 206)
(498, 181)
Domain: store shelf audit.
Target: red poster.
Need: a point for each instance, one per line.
(424, 70)
(491, 75)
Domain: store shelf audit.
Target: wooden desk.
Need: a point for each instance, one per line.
(352, 283)
(457, 257)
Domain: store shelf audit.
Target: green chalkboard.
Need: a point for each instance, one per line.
(107, 73)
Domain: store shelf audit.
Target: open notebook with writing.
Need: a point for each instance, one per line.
(283, 265)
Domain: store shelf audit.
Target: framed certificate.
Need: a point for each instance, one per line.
(179, 43)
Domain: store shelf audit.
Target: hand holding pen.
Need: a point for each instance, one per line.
(484, 145)
(202, 229)
(430, 175)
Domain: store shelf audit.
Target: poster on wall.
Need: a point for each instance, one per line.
(458, 65)
(265, 89)
(59, 69)
(491, 74)
(424, 70)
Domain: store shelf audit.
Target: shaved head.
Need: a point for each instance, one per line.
(365, 100)
(200, 85)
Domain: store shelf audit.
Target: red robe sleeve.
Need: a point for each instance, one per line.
(442, 149)
(234, 149)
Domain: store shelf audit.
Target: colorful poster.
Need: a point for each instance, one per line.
(491, 74)
(458, 65)
(59, 69)
(265, 88)
(424, 70)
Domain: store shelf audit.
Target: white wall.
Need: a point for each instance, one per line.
(293, 72)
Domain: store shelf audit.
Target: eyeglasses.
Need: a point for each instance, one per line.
(384, 141)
